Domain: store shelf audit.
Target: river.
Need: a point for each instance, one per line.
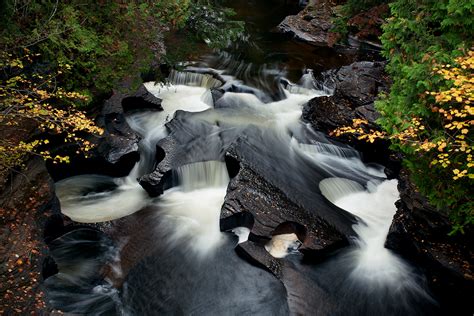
(169, 254)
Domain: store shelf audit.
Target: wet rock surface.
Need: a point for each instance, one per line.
(420, 234)
(315, 25)
(311, 25)
(302, 191)
(249, 191)
(367, 26)
(183, 146)
(305, 295)
(355, 89)
(116, 151)
(119, 139)
(262, 183)
(141, 100)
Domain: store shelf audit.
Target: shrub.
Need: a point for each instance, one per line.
(428, 113)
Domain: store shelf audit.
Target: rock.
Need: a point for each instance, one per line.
(142, 99)
(250, 192)
(119, 139)
(305, 295)
(311, 25)
(182, 147)
(367, 26)
(355, 89)
(283, 196)
(328, 113)
(116, 152)
(268, 187)
(419, 233)
(314, 25)
(216, 95)
(359, 82)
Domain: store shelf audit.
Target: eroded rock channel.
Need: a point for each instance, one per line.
(220, 192)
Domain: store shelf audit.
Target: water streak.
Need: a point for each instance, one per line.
(192, 209)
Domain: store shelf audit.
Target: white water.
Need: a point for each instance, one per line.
(129, 197)
(193, 79)
(102, 206)
(151, 125)
(192, 210)
(188, 215)
(242, 232)
(333, 158)
(375, 208)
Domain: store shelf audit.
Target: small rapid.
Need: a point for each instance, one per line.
(375, 208)
(173, 256)
(191, 211)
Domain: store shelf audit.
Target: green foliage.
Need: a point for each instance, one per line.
(103, 41)
(214, 25)
(418, 36)
(106, 42)
(56, 56)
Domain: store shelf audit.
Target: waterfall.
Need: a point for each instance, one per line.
(207, 174)
(83, 198)
(193, 79)
(375, 208)
(192, 209)
(183, 223)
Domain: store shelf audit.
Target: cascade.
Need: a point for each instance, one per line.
(175, 259)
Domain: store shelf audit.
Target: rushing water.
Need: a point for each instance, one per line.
(168, 255)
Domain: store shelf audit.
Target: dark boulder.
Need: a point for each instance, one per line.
(142, 99)
(116, 151)
(216, 95)
(314, 25)
(329, 113)
(251, 192)
(355, 90)
(190, 140)
(305, 295)
(420, 233)
(367, 25)
(311, 25)
(257, 172)
(119, 138)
